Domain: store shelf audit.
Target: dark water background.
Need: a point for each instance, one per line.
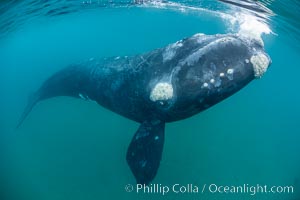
(72, 149)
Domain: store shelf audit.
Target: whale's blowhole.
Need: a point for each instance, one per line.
(162, 91)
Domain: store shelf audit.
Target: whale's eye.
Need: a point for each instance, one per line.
(163, 104)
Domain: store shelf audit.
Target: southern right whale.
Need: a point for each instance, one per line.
(164, 85)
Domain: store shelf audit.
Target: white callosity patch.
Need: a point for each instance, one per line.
(170, 51)
(230, 71)
(260, 64)
(230, 74)
(205, 85)
(162, 91)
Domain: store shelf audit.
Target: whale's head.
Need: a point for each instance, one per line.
(208, 69)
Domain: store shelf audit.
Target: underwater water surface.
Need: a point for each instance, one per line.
(73, 149)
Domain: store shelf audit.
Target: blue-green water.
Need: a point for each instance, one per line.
(73, 149)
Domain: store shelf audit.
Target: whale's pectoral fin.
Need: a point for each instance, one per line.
(145, 151)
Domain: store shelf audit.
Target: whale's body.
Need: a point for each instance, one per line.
(164, 85)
